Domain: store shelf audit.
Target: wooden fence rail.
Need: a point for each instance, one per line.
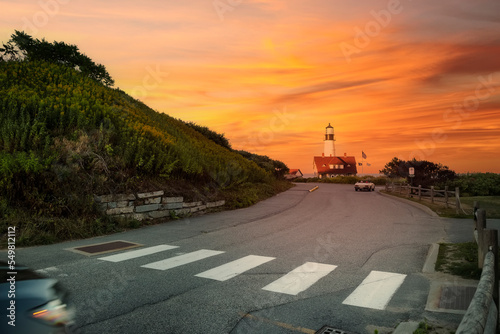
(482, 313)
(446, 196)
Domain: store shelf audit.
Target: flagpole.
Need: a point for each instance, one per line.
(363, 156)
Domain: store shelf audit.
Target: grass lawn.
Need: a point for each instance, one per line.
(459, 259)
(490, 203)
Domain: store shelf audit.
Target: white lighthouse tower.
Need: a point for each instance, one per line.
(329, 150)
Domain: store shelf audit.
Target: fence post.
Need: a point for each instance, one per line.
(409, 191)
(490, 242)
(446, 196)
(457, 200)
(481, 225)
(475, 208)
(474, 214)
(432, 194)
(419, 192)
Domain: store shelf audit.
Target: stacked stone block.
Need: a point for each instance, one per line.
(150, 205)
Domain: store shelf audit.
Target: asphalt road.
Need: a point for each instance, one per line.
(291, 264)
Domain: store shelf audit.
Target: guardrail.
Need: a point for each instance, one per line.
(482, 314)
(434, 195)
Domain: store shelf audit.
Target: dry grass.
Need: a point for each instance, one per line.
(490, 203)
(438, 206)
(459, 259)
(435, 328)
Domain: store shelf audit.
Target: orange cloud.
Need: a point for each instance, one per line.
(423, 83)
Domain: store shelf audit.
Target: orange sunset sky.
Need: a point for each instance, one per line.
(394, 78)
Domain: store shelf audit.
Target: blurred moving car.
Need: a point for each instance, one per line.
(32, 302)
(364, 185)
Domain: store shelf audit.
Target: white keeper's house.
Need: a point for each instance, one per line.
(330, 165)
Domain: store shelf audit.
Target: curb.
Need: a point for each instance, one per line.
(430, 260)
(417, 205)
(406, 327)
(313, 189)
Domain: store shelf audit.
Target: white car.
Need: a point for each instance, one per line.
(364, 185)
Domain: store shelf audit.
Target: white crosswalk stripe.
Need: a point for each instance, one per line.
(376, 290)
(182, 259)
(301, 278)
(234, 268)
(137, 253)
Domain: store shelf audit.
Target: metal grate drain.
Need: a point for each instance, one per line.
(330, 330)
(105, 247)
(456, 297)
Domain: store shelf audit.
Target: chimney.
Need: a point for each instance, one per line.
(323, 154)
(345, 154)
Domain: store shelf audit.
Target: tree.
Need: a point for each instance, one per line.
(394, 168)
(426, 173)
(274, 167)
(10, 53)
(280, 169)
(25, 44)
(24, 47)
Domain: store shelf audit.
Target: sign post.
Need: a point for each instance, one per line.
(411, 172)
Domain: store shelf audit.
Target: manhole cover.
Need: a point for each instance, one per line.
(105, 247)
(331, 330)
(456, 297)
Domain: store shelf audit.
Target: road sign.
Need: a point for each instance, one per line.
(411, 171)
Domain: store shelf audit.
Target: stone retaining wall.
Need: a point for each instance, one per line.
(152, 205)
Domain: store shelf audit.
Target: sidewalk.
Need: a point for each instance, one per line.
(448, 293)
(449, 296)
(461, 230)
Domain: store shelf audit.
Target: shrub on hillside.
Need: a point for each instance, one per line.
(477, 184)
(58, 127)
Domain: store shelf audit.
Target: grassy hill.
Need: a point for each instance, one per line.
(65, 137)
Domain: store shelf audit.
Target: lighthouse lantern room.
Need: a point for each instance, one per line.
(329, 150)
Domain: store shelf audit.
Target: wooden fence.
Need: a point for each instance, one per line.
(446, 196)
(482, 313)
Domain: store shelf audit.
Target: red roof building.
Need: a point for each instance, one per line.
(332, 166)
(294, 174)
